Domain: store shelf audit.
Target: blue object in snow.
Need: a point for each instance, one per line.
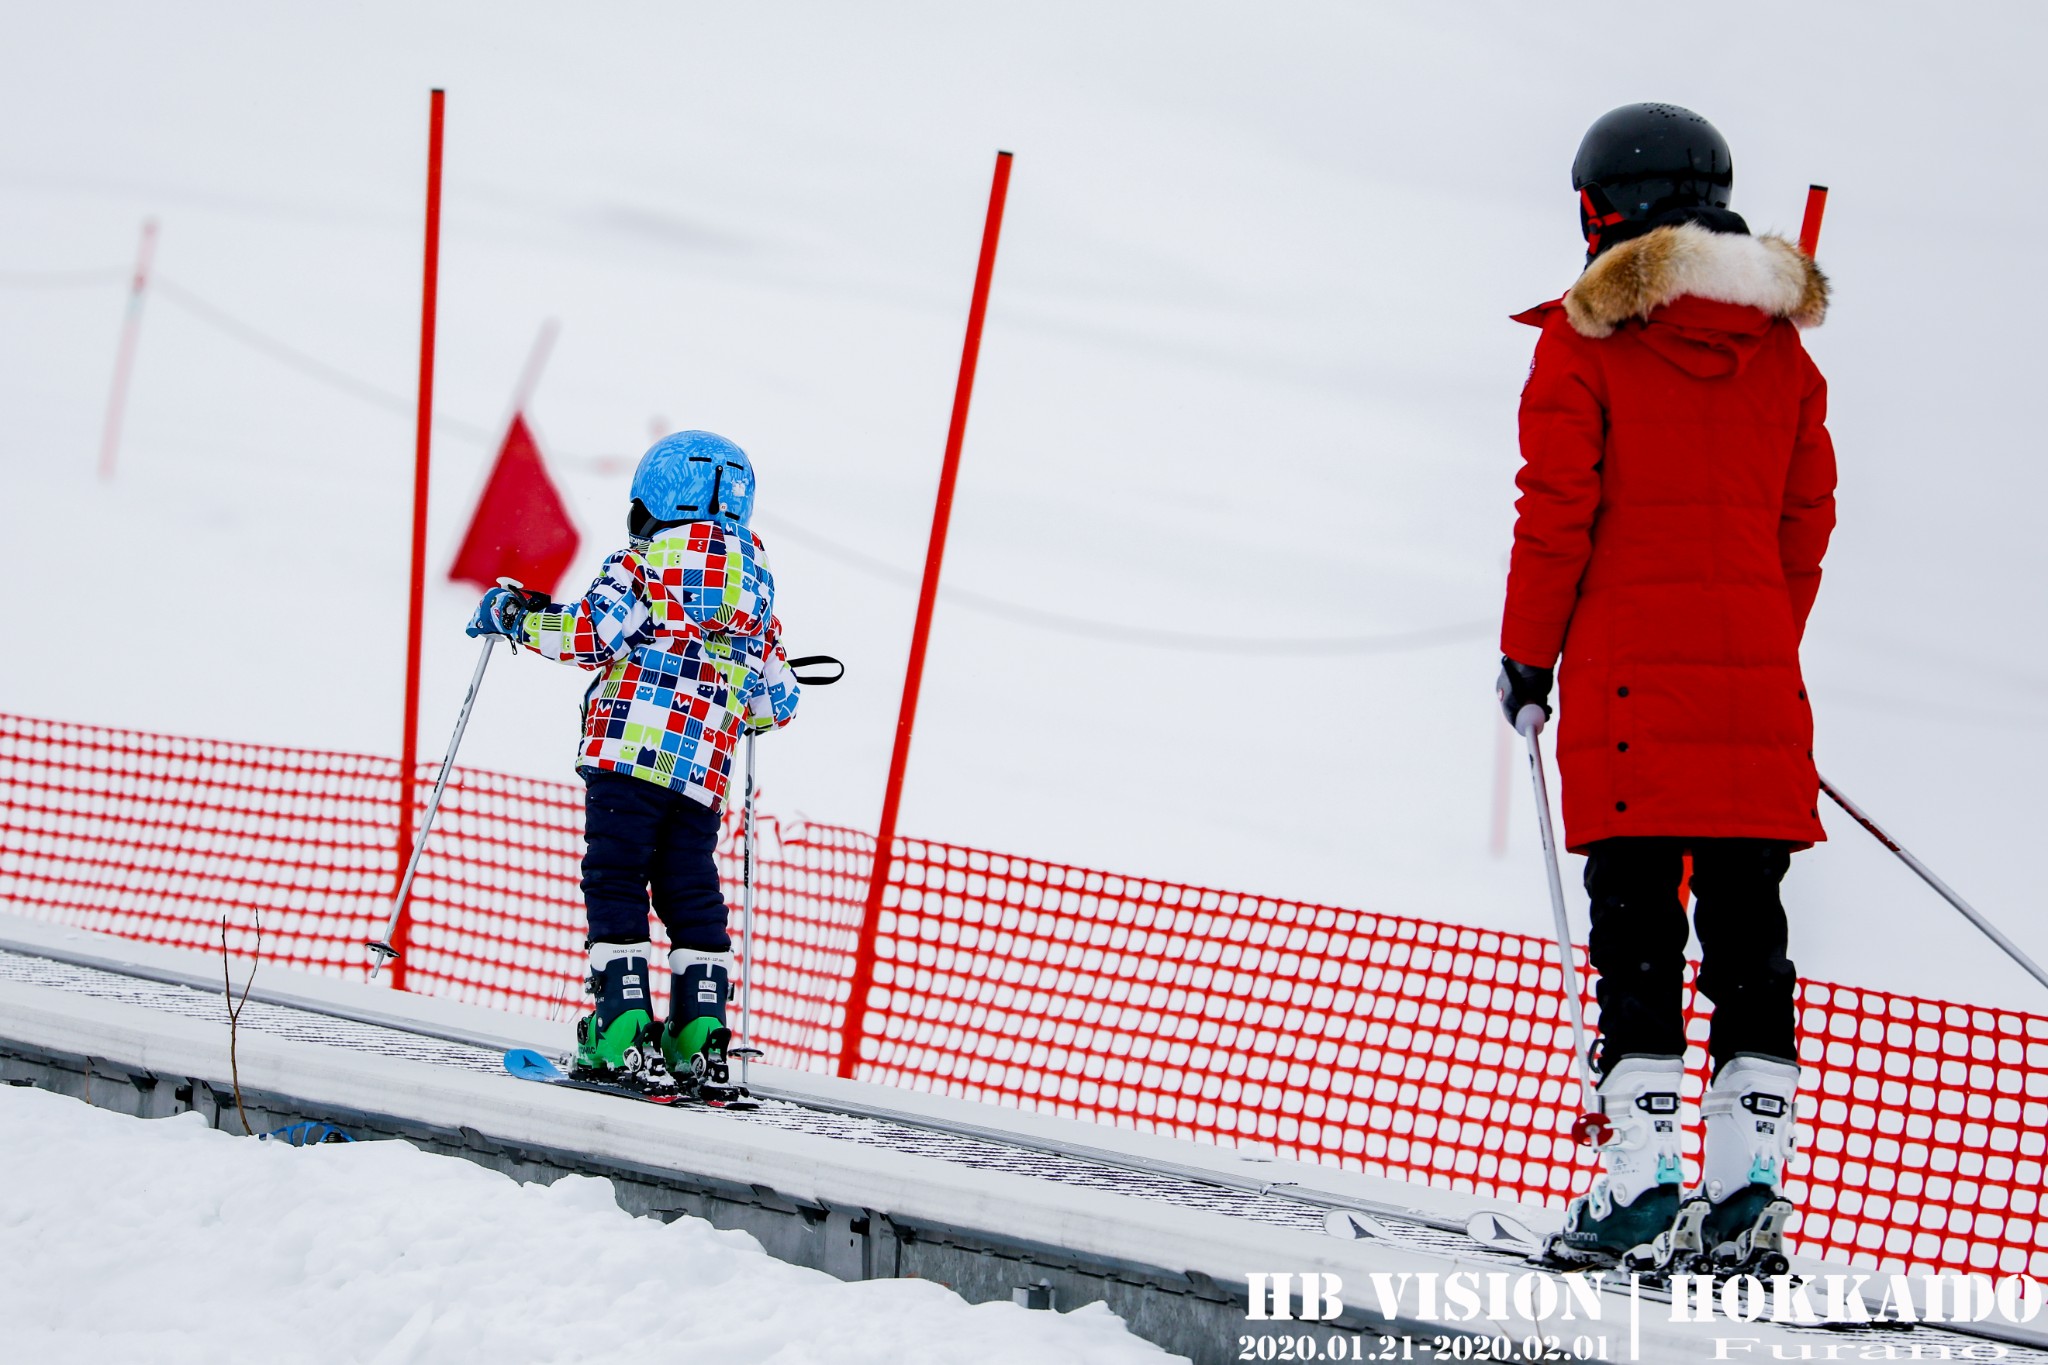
(308, 1134)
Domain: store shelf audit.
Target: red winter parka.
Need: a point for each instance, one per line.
(1677, 496)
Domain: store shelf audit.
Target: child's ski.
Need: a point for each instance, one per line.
(529, 1065)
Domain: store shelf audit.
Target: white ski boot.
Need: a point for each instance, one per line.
(1750, 1110)
(1626, 1219)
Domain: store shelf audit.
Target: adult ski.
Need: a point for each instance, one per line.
(1491, 1231)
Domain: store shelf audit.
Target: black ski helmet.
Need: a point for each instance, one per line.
(1643, 160)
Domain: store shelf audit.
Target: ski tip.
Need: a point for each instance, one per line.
(527, 1064)
(1501, 1232)
(1353, 1226)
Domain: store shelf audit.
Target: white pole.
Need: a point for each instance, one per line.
(381, 950)
(2012, 950)
(1529, 724)
(747, 915)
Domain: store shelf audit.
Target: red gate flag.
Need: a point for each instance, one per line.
(521, 529)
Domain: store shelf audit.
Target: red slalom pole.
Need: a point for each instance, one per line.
(124, 359)
(942, 513)
(1809, 227)
(408, 748)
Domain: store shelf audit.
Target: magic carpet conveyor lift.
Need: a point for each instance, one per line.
(859, 1180)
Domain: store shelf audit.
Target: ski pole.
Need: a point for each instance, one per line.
(2012, 950)
(747, 1051)
(380, 948)
(1591, 1127)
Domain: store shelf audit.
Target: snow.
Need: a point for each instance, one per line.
(170, 1242)
(1247, 372)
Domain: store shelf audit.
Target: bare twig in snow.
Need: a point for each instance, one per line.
(235, 1007)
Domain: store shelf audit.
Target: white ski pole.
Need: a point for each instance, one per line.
(747, 1051)
(380, 947)
(2012, 950)
(1592, 1126)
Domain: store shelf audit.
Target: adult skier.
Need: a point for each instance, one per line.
(1677, 495)
(681, 624)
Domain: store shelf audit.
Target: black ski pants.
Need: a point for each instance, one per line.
(1638, 946)
(639, 836)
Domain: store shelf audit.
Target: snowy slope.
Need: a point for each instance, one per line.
(190, 1245)
(1247, 374)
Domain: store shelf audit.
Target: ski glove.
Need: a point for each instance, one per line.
(502, 612)
(1520, 685)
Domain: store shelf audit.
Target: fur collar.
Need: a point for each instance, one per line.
(1641, 275)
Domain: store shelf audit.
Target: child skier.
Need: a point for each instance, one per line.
(682, 624)
(1677, 497)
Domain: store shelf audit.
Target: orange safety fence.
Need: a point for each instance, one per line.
(1406, 1048)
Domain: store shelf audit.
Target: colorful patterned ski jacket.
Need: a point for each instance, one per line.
(683, 627)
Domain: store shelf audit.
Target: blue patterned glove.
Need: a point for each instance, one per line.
(502, 612)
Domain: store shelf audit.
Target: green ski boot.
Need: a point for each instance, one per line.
(1631, 1217)
(618, 1042)
(695, 1046)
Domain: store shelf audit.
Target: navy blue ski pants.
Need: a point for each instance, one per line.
(639, 837)
(1638, 946)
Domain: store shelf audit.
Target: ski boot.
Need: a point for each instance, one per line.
(1629, 1218)
(696, 1045)
(1750, 1110)
(617, 1043)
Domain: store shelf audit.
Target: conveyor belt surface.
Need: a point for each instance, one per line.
(1412, 1229)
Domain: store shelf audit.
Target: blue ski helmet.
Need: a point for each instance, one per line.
(691, 476)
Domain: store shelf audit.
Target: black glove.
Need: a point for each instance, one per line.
(1520, 685)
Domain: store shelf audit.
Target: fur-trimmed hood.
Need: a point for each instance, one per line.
(1632, 280)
